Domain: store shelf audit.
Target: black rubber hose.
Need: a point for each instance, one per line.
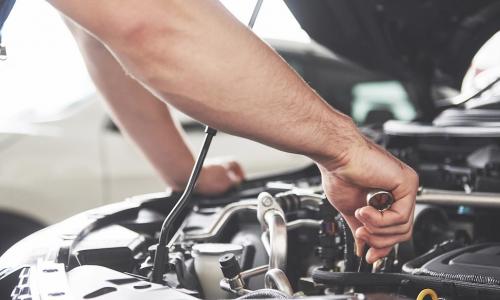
(397, 280)
(264, 294)
(161, 250)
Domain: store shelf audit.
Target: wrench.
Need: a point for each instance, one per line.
(382, 201)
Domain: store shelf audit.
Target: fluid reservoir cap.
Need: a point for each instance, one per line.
(214, 249)
(229, 265)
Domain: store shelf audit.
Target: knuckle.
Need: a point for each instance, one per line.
(375, 222)
(401, 219)
(414, 178)
(405, 237)
(408, 227)
(400, 230)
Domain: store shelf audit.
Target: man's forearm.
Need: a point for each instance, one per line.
(195, 55)
(145, 119)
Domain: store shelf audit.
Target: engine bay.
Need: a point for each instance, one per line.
(279, 237)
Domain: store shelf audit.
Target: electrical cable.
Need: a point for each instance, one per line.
(391, 281)
(264, 294)
(349, 256)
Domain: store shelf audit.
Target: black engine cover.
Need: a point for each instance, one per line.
(478, 264)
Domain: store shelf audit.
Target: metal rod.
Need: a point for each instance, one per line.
(223, 217)
(277, 240)
(310, 223)
(255, 13)
(276, 278)
(254, 272)
(159, 261)
(444, 197)
(161, 250)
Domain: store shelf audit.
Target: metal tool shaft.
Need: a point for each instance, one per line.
(382, 201)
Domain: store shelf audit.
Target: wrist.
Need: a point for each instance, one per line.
(176, 174)
(338, 143)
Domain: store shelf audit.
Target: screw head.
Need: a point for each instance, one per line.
(266, 201)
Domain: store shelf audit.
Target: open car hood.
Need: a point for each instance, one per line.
(423, 43)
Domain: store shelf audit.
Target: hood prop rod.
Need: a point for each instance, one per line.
(161, 250)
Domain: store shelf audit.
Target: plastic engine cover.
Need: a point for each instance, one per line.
(477, 263)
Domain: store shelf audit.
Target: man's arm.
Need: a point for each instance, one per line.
(196, 56)
(150, 124)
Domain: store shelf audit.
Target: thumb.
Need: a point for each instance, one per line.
(235, 172)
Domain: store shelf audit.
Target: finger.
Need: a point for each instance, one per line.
(398, 214)
(230, 168)
(236, 168)
(381, 241)
(359, 247)
(396, 229)
(375, 254)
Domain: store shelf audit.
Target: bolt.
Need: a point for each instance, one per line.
(267, 201)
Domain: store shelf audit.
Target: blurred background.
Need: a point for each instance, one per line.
(61, 154)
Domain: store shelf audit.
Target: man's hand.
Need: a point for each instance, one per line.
(347, 181)
(217, 178)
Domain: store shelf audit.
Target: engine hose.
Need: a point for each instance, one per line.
(264, 294)
(289, 201)
(397, 280)
(413, 266)
(349, 256)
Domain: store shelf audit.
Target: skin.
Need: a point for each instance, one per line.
(164, 144)
(194, 55)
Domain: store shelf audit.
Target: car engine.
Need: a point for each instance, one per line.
(278, 237)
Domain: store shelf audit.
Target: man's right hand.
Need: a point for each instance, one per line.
(346, 182)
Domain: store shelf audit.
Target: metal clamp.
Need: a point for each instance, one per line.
(272, 220)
